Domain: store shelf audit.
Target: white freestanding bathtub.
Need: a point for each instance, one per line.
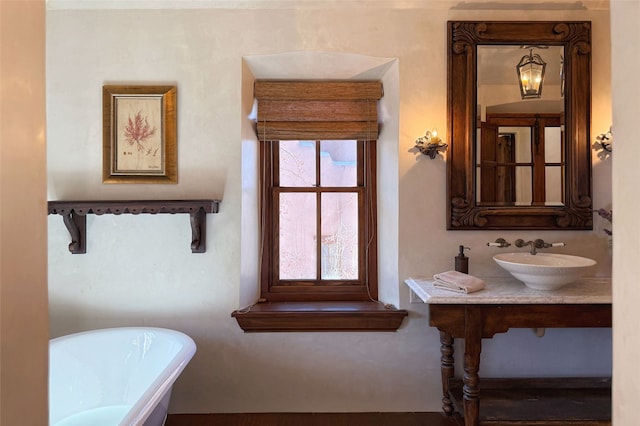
(115, 376)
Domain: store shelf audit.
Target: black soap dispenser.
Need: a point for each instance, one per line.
(462, 261)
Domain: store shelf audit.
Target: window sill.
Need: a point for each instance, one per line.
(319, 316)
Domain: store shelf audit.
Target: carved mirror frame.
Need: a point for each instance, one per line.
(463, 211)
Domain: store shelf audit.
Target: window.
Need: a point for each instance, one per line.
(318, 156)
(318, 255)
(521, 160)
(319, 220)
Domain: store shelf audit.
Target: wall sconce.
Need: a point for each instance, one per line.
(531, 74)
(604, 144)
(430, 144)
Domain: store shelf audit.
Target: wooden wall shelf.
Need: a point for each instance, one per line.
(74, 215)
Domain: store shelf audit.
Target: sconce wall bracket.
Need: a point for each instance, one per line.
(430, 144)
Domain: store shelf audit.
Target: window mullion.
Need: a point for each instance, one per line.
(318, 216)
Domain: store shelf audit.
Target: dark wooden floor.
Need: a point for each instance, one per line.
(311, 419)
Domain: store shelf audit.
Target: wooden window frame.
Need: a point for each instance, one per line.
(366, 286)
(318, 110)
(537, 123)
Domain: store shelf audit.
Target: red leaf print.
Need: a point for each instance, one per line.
(138, 130)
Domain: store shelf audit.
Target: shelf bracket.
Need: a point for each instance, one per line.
(74, 216)
(198, 231)
(77, 227)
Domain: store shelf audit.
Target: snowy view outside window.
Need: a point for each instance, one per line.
(305, 194)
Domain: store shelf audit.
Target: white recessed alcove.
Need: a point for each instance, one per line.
(308, 65)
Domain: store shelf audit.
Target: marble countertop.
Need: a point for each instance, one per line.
(508, 290)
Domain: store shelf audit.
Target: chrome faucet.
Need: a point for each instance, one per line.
(537, 244)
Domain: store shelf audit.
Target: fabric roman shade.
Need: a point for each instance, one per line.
(314, 110)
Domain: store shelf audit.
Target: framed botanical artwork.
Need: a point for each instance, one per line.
(139, 134)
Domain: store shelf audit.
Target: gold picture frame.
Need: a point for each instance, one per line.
(139, 134)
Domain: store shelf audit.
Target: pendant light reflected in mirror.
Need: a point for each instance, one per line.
(531, 74)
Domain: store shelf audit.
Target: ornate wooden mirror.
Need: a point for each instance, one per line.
(517, 162)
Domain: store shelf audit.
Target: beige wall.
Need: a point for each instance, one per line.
(139, 269)
(23, 226)
(625, 16)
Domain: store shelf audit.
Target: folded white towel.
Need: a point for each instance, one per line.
(458, 282)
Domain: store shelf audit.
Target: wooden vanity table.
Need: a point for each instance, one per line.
(506, 303)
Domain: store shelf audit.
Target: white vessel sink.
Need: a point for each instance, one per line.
(544, 271)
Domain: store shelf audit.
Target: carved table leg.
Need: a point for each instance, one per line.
(471, 380)
(446, 368)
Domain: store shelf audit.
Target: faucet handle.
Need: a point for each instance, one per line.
(539, 243)
(500, 242)
(536, 244)
(521, 243)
